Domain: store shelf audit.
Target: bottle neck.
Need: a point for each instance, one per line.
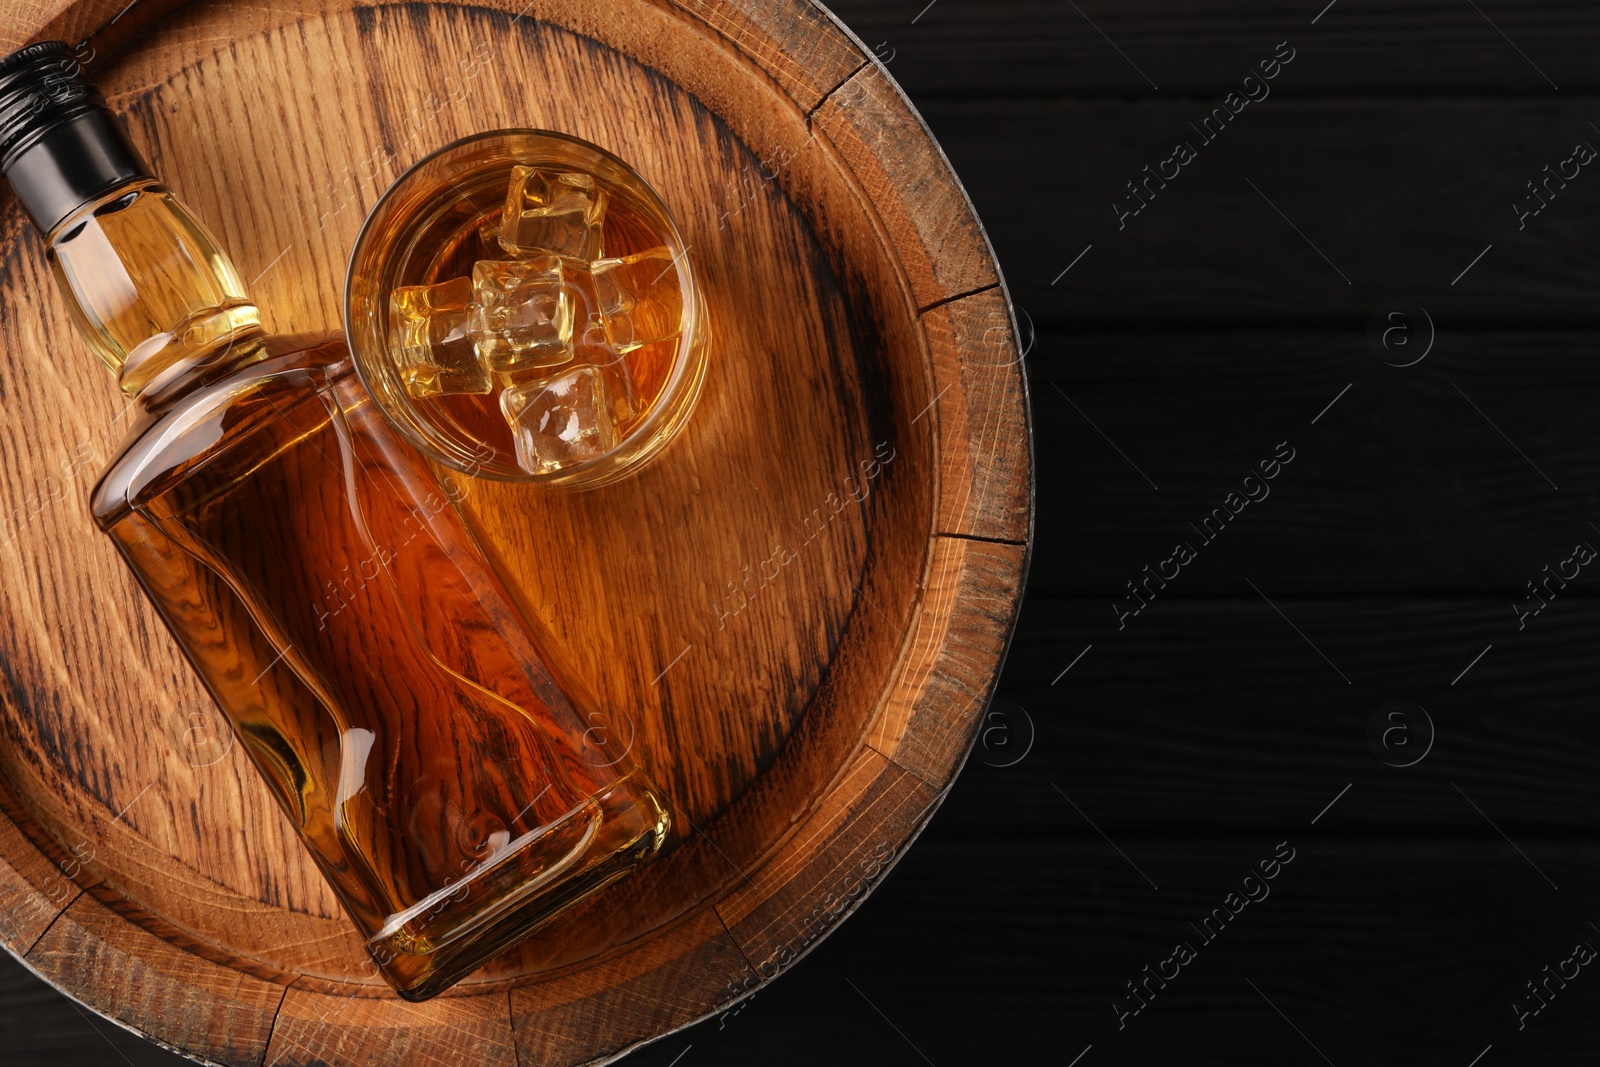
(149, 289)
(145, 283)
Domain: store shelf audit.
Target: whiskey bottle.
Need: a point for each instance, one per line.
(452, 788)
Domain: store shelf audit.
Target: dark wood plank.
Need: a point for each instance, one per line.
(1401, 934)
(1012, 947)
(1404, 485)
(1380, 199)
(1045, 48)
(1212, 715)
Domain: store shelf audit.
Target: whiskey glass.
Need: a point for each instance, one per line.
(437, 221)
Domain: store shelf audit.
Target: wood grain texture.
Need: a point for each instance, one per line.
(926, 726)
(986, 460)
(651, 990)
(751, 696)
(41, 1026)
(804, 50)
(154, 987)
(34, 888)
(318, 1028)
(1206, 735)
(903, 174)
(823, 873)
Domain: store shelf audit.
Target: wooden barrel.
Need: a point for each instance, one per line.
(805, 601)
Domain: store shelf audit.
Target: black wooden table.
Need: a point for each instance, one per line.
(1304, 646)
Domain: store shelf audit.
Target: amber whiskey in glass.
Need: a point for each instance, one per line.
(522, 304)
(314, 569)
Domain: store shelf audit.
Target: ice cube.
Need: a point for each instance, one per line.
(622, 389)
(552, 211)
(524, 313)
(430, 338)
(639, 298)
(592, 347)
(489, 234)
(560, 420)
(589, 341)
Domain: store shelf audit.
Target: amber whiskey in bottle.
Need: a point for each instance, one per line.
(453, 790)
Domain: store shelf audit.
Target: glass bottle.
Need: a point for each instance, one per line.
(453, 790)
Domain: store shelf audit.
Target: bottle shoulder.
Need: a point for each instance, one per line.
(218, 413)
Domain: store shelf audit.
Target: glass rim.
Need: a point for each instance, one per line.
(688, 368)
